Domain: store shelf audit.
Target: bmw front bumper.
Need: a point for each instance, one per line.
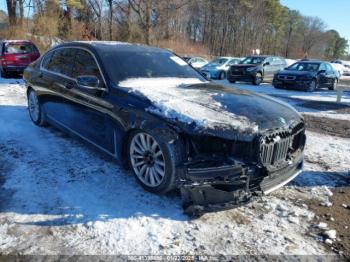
(231, 185)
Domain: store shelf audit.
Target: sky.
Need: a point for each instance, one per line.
(335, 13)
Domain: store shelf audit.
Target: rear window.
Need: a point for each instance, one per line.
(19, 48)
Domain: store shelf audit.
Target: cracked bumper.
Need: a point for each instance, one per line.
(228, 186)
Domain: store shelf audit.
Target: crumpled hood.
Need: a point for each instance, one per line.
(213, 107)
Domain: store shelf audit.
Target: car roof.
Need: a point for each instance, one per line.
(102, 46)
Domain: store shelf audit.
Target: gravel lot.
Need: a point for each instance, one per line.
(59, 196)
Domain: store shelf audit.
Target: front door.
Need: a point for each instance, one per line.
(88, 109)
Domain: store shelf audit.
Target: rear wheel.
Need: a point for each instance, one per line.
(35, 109)
(258, 79)
(153, 161)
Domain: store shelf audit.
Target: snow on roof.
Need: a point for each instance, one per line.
(175, 99)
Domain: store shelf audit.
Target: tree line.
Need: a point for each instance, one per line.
(207, 27)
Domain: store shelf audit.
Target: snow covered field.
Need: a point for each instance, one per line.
(59, 196)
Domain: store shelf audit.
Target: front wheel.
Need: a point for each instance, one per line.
(313, 86)
(153, 161)
(334, 85)
(222, 75)
(35, 109)
(258, 79)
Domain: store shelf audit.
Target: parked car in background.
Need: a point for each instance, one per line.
(196, 62)
(256, 69)
(16, 55)
(148, 109)
(307, 75)
(339, 68)
(345, 66)
(217, 68)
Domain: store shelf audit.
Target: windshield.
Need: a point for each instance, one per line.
(219, 61)
(150, 64)
(309, 67)
(19, 48)
(253, 60)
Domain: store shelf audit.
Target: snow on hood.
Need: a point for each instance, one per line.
(172, 99)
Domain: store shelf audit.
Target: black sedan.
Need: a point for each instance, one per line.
(151, 111)
(307, 75)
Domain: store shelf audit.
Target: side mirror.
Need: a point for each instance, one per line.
(321, 72)
(266, 63)
(88, 82)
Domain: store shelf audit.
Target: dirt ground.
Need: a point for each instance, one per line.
(337, 217)
(323, 125)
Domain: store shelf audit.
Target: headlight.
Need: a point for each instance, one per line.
(250, 69)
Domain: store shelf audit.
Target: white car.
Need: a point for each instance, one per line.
(343, 67)
(196, 62)
(217, 68)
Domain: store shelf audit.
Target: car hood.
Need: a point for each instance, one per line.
(211, 108)
(245, 66)
(212, 66)
(295, 73)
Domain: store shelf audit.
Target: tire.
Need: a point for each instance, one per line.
(313, 86)
(334, 85)
(153, 160)
(222, 75)
(258, 78)
(35, 109)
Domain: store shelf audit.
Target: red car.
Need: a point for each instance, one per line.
(16, 55)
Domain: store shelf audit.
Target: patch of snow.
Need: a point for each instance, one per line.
(175, 99)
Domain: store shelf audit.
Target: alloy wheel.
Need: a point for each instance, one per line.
(33, 106)
(147, 159)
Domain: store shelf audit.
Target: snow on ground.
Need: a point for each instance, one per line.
(59, 196)
(298, 98)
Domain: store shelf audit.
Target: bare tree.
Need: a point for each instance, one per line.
(11, 10)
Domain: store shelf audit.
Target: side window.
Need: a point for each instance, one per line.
(62, 61)
(46, 59)
(85, 64)
(323, 67)
(329, 68)
(269, 60)
(277, 61)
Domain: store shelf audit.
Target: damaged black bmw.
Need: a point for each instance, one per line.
(151, 111)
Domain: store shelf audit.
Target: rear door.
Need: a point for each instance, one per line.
(56, 76)
(268, 68)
